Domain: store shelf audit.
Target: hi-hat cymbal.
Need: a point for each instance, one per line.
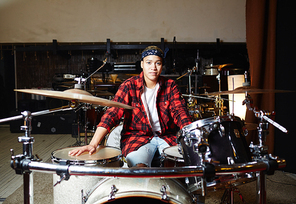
(203, 97)
(246, 89)
(75, 94)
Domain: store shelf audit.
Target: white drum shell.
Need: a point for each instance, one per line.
(114, 137)
(69, 192)
(139, 187)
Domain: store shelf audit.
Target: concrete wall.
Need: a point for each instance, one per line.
(25, 21)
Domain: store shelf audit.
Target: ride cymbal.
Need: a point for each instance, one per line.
(76, 94)
(246, 89)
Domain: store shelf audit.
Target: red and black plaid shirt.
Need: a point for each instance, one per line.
(137, 131)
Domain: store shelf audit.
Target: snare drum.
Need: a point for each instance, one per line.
(70, 191)
(172, 157)
(138, 190)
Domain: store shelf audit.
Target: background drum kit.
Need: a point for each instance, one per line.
(212, 153)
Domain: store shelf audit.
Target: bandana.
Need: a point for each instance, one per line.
(152, 51)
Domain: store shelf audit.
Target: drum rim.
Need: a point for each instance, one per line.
(171, 157)
(85, 162)
(210, 120)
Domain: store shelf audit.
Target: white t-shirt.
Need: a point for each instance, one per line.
(149, 101)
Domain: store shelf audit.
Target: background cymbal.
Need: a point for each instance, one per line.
(76, 94)
(100, 93)
(247, 89)
(218, 66)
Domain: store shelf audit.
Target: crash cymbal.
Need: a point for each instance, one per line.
(246, 89)
(75, 94)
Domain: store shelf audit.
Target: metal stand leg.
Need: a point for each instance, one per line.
(261, 188)
(28, 188)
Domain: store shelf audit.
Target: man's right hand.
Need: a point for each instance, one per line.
(79, 150)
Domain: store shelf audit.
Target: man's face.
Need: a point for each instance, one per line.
(152, 67)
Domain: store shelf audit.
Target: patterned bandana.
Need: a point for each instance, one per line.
(153, 50)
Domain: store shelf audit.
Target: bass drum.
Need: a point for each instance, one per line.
(138, 190)
(70, 191)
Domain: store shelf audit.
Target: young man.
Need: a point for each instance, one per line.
(159, 112)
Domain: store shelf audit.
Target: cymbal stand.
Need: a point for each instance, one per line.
(191, 100)
(27, 156)
(219, 101)
(86, 107)
(260, 151)
(17, 161)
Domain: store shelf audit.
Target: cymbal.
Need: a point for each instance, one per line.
(246, 89)
(76, 94)
(100, 92)
(218, 66)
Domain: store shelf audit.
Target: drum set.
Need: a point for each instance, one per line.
(212, 154)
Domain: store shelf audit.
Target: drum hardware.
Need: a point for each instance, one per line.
(164, 195)
(18, 161)
(228, 196)
(261, 149)
(112, 193)
(199, 111)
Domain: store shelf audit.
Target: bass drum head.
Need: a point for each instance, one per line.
(139, 190)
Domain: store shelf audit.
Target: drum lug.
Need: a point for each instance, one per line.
(112, 193)
(236, 133)
(164, 195)
(230, 161)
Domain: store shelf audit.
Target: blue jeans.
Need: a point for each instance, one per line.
(145, 154)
